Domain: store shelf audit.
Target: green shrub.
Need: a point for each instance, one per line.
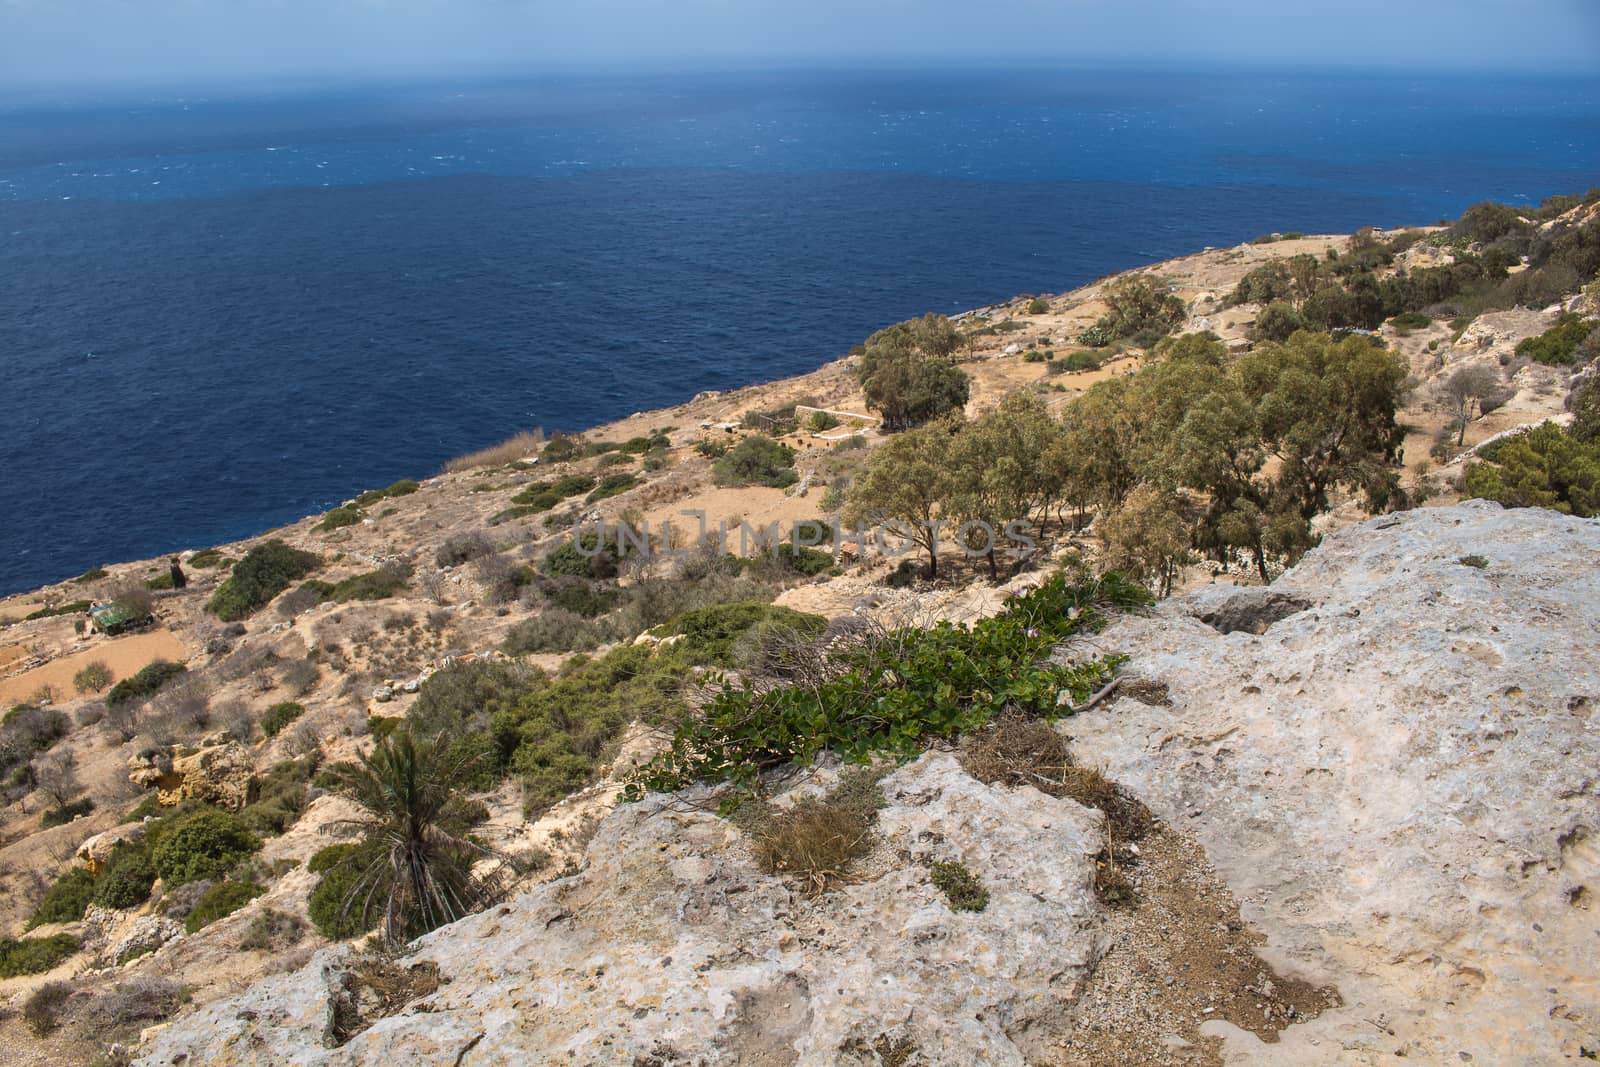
(272, 929)
(920, 683)
(1082, 361)
(1411, 320)
(1545, 467)
(756, 460)
(381, 726)
(280, 797)
(373, 585)
(1558, 346)
(711, 449)
(335, 903)
(1035, 355)
(207, 559)
(66, 900)
(76, 607)
(959, 885)
(265, 571)
(220, 901)
(330, 856)
(711, 635)
(1038, 306)
(128, 878)
(404, 487)
(144, 684)
(280, 715)
(612, 485)
(794, 559)
(162, 581)
(34, 955)
(205, 843)
(91, 576)
(340, 517)
(66, 813)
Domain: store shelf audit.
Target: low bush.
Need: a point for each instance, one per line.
(404, 487)
(941, 681)
(373, 585)
(1038, 306)
(280, 797)
(66, 813)
(34, 955)
(1411, 320)
(207, 559)
(1545, 467)
(340, 517)
(756, 460)
(264, 572)
(961, 888)
(329, 857)
(337, 904)
(1558, 346)
(145, 684)
(304, 597)
(280, 715)
(94, 575)
(463, 548)
(42, 1010)
(1082, 361)
(205, 843)
(612, 485)
(220, 901)
(66, 900)
(271, 930)
(127, 880)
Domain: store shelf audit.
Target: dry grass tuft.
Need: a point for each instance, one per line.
(522, 446)
(1017, 751)
(815, 840)
(375, 988)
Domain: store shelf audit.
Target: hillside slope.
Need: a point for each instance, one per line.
(1396, 779)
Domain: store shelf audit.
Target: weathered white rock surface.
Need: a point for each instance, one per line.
(1401, 782)
(672, 947)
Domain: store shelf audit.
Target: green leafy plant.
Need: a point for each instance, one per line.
(756, 460)
(890, 696)
(961, 888)
(280, 715)
(264, 572)
(204, 843)
(34, 955)
(66, 899)
(145, 684)
(220, 901)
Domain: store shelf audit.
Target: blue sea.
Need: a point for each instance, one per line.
(222, 313)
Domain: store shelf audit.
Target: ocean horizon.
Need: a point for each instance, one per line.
(223, 314)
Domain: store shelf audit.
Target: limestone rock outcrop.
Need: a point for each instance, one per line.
(1401, 780)
(222, 773)
(671, 946)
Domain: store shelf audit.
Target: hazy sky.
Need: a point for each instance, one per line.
(99, 42)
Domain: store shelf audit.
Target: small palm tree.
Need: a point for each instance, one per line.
(415, 864)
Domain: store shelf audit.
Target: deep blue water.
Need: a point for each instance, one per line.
(218, 315)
